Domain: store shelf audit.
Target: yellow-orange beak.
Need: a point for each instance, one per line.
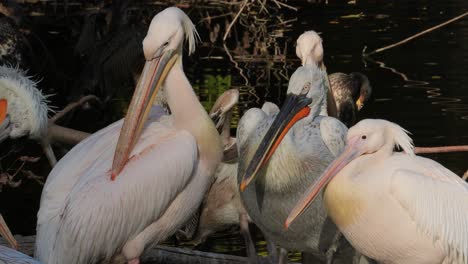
(6, 233)
(294, 109)
(153, 75)
(360, 103)
(351, 152)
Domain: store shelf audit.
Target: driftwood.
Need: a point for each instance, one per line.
(158, 254)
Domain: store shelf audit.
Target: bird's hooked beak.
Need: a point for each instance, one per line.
(294, 109)
(360, 103)
(223, 106)
(4, 120)
(6, 233)
(351, 152)
(153, 75)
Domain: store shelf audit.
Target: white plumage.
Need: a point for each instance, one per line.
(27, 106)
(394, 207)
(85, 216)
(11, 256)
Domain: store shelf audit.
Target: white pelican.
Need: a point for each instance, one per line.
(394, 207)
(95, 205)
(350, 91)
(11, 256)
(283, 163)
(309, 50)
(23, 109)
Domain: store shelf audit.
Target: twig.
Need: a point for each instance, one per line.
(279, 4)
(465, 176)
(244, 4)
(416, 35)
(213, 17)
(72, 106)
(444, 149)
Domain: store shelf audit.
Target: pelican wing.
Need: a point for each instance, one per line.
(85, 217)
(333, 134)
(251, 125)
(11, 256)
(437, 200)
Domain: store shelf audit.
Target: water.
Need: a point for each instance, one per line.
(421, 85)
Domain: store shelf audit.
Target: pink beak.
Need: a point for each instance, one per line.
(351, 152)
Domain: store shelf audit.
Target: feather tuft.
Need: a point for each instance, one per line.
(27, 105)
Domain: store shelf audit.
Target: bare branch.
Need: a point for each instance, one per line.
(416, 35)
(442, 149)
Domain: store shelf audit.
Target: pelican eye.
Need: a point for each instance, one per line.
(306, 88)
(364, 137)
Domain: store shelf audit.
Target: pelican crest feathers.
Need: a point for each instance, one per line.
(29, 103)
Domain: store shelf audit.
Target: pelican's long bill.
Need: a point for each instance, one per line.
(351, 152)
(294, 109)
(153, 75)
(6, 233)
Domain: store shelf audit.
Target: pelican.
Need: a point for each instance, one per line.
(23, 109)
(97, 206)
(350, 91)
(309, 50)
(275, 165)
(11, 256)
(221, 206)
(394, 207)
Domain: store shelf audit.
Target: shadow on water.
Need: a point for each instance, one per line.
(421, 85)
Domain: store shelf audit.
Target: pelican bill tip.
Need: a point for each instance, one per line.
(242, 186)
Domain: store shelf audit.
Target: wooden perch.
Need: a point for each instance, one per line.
(158, 254)
(414, 36)
(65, 135)
(443, 149)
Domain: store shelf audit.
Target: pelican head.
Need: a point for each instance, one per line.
(306, 94)
(222, 108)
(23, 108)
(162, 48)
(366, 137)
(309, 48)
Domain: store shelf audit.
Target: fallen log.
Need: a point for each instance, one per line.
(157, 254)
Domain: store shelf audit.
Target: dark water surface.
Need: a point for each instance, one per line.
(421, 85)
